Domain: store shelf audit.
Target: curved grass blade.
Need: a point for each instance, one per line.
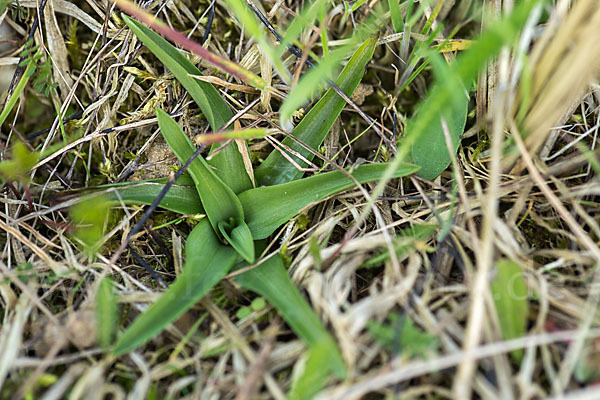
(271, 281)
(207, 262)
(229, 164)
(313, 128)
(219, 201)
(267, 208)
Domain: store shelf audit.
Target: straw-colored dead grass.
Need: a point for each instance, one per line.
(526, 192)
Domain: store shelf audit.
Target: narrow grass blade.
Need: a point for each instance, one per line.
(267, 208)
(106, 312)
(509, 292)
(429, 151)
(316, 124)
(207, 262)
(10, 104)
(229, 164)
(271, 281)
(219, 201)
(305, 18)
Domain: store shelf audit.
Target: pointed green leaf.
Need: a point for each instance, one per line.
(271, 281)
(509, 291)
(429, 151)
(316, 124)
(228, 163)
(465, 68)
(179, 199)
(267, 208)
(314, 376)
(218, 200)
(107, 312)
(207, 262)
(238, 235)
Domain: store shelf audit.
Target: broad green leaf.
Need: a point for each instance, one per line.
(509, 291)
(179, 199)
(314, 376)
(267, 208)
(430, 151)
(238, 235)
(219, 201)
(228, 163)
(271, 281)
(207, 262)
(316, 124)
(465, 68)
(107, 312)
(20, 164)
(89, 217)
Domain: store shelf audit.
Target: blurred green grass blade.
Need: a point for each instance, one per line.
(229, 164)
(107, 312)
(430, 151)
(89, 217)
(271, 281)
(509, 292)
(179, 199)
(314, 376)
(239, 237)
(443, 97)
(218, 200)
(396, 15)
(404, 242)
(304, 19)
(313, 128)
(317, 76)
(207, 262)
(267, 208)
(255, 29)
